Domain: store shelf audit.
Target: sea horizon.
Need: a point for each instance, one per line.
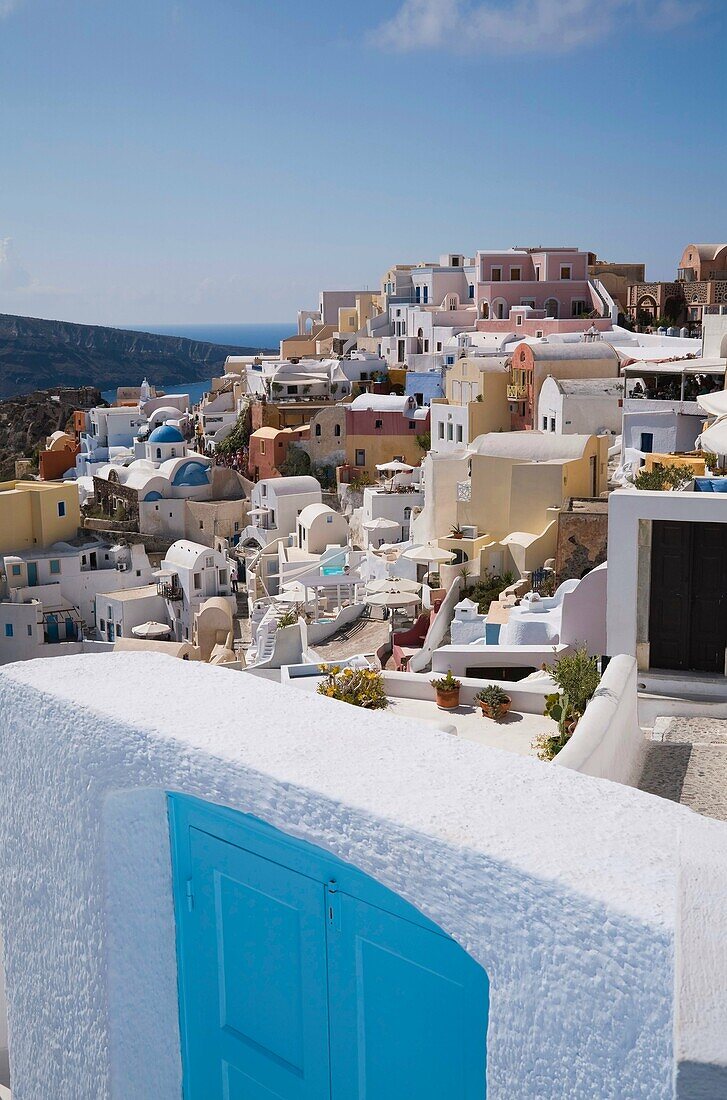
(262, 336)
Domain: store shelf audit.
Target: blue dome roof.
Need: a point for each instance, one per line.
(165, 433)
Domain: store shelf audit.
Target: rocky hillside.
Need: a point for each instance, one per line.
(37, 354)
(26, 421)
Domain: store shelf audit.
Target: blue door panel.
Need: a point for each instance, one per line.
(303, 979)
(32, 574)
(411, 1010)
(255, 957)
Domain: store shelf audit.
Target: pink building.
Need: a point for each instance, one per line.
(553, 282)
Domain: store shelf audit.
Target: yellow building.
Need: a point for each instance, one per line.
(504, 494)
(37, 513)
(475, 402)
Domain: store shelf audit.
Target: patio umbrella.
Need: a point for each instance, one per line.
(293, 592)
(393, 599)
(395, 467)
(258, 511)
(393, 584)
(380, 524)
(151, 630)
(428, 555)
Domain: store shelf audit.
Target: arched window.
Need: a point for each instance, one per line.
(407, 513)
(337, 431)
(552, 308)
(159, 452)
(318, 431)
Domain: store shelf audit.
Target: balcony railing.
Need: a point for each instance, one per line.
(516, 392)
(169, 589)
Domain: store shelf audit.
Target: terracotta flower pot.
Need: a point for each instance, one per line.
(496, 713)
(447, 700)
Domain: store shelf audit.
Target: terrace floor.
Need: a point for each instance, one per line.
(515, 733)
(686, 762)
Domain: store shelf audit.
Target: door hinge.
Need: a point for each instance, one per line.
(333, 910)
(190, 895)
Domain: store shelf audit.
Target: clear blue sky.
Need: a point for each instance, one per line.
(221, 160)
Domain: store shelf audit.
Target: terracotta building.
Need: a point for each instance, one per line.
(700, 287)
(532, 363)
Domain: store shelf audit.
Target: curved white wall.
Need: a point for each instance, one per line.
(524, 864)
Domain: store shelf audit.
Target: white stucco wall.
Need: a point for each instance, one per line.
(608, 742)
(563, 887)
(625, 508)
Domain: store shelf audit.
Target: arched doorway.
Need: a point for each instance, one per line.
(420, 341)
(552, 308)
(325, 976)
(485, 310)
(499, 309)
(646, 309)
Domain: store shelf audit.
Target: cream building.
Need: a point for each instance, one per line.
(475, 402)
(37, 514)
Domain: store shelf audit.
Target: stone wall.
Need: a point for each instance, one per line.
(582, 539)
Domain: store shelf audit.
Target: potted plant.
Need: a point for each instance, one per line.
(361, 687)
(495, 702)
(456, 531)
(446, 689)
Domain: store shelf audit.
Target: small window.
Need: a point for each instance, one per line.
(30, 631)
(201, 525)
(496, 275)
(552, 423)
(138, 572)
(55, 565)
(518, 318)
(118, 629)
(516, 274)
(262, 446)
(440, 429)
(337, 431)
(471, 291)
(439, 345)
(565, 271)
(318, 431)
(378, 423)
(412, 425)
(419, 398)
(360, 458)
(329, 519)
(102, 626)
(545, 423)
(450, 432)
(237, 526)
(8, 630)
(61, 508)
(197, 580)
(16, 570)
(459, 433)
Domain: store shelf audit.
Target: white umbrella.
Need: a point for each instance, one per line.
(714, 438)
(380, 524)
(293, 592)
(151, 630)
(713, 403)
(428, 554)
(395, 466)
(393, 599)
(258, 511)
(393, 584)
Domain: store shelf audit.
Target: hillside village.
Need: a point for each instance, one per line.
(483, 501)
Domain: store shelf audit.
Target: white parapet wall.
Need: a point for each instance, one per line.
(565, 888)
(608, 742)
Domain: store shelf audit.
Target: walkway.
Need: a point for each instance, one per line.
(687, 762)
(362, 636)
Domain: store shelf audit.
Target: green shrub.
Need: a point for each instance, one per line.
(577, 676)
(485, 591)
(662, 478)
(239, 437)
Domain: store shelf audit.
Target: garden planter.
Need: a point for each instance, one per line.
(497, 712)
(447, 700)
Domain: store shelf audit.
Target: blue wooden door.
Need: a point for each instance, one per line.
(32, 574)
(303, 979)
(411, 1007)
(255, 970)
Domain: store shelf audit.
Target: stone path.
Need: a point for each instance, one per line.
(686, 762)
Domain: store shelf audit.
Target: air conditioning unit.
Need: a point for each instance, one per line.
(469, 532)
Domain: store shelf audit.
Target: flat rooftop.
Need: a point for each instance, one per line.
(515, 733)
